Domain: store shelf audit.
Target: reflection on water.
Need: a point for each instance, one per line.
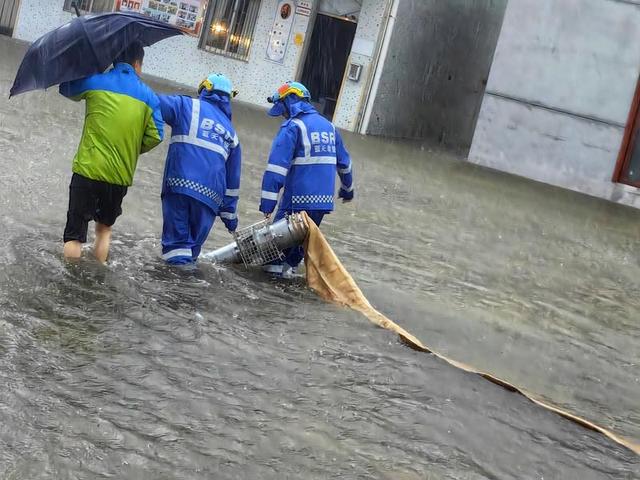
(140, 371)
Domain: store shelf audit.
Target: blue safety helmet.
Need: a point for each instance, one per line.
(216, 82)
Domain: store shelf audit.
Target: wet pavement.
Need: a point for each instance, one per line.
(139, 371)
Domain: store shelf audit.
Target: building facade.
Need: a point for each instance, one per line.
(544, 89)
(259, 44)
(435, 67)
(561, 104)
(398, 68)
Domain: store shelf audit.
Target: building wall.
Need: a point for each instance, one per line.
(178, 59)
(436, 69)
(353, 94)
(559, 93)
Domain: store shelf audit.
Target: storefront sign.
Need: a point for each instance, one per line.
(184, 14)
(303, 8)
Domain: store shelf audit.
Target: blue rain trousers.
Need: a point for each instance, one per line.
(186, 226)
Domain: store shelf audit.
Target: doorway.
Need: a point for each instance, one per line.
(627, 169)
(8, 14)
(326, 61)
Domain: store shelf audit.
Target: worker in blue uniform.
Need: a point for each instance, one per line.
(305, 157)
(202, 171)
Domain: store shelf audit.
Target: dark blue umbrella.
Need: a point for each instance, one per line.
(84, 46)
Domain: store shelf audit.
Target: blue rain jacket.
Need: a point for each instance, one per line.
(304, 159)
(204, 159)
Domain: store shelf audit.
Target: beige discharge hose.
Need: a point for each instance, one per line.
(328, 278)
(262, 242)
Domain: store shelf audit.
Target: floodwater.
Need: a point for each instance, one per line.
(139, 371)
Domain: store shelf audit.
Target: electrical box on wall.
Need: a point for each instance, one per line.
(355, 69)
(280, 31)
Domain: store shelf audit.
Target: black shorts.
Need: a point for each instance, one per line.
(91, 200)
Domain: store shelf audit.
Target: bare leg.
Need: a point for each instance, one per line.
(72, 250)
(103, 239)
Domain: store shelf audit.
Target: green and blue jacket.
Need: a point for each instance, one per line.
(122, 120)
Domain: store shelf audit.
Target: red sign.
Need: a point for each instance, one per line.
(304, 8)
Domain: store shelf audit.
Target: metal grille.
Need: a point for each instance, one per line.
(257, 245)
(228, 27)
(89, 6)
(8, 13)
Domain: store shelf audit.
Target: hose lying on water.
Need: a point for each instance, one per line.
(327, 276)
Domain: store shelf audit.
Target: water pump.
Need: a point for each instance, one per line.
(262, 242)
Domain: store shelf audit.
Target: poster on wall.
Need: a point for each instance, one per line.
(280, 31)
(184, 14)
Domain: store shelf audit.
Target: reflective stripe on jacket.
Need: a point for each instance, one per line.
(204, 158)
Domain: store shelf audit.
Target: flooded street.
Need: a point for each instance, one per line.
(140, 371)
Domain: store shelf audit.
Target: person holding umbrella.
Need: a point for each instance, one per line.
(122, 114)
(122, 120)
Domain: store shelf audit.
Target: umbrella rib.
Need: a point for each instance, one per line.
(95, 55)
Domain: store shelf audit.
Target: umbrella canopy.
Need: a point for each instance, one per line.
(85, 46)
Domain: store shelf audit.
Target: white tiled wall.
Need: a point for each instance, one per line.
(178, 59)
(352, 93)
